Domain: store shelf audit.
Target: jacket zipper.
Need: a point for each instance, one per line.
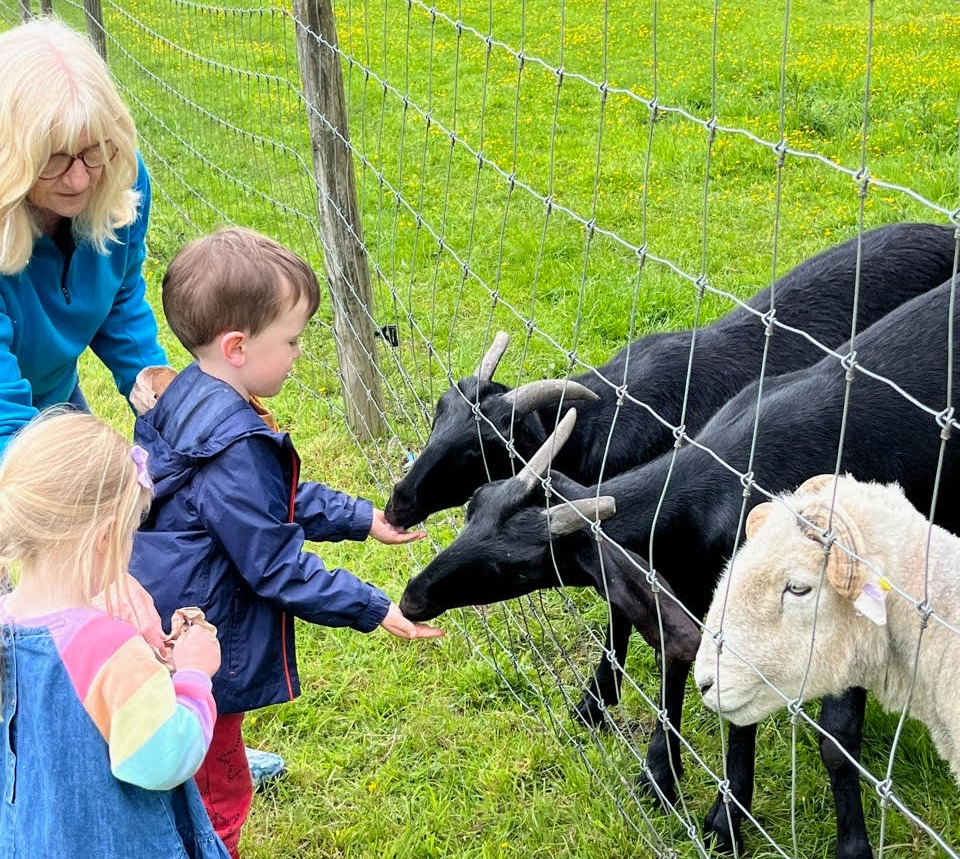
(283, 623)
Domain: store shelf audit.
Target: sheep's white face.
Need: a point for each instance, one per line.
(779, 619)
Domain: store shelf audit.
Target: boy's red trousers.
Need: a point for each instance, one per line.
(224, 780)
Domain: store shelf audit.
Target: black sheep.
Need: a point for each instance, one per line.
(897, 262)
(887, 437)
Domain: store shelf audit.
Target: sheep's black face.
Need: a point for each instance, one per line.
(502, 552)
(461, 454)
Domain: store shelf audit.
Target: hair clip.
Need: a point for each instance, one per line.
(139, 457)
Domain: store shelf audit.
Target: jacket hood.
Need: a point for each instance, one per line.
(195, 418)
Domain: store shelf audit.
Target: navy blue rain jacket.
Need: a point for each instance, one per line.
(226, 533)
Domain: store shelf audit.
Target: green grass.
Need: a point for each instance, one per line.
(463, 747)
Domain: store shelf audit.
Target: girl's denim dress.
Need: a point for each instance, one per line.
(58, 796)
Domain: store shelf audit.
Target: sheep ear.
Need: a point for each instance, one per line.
(815, 484)
(756, 517)
(546, 392)
(569, 517)
(489, 362)
(845, 573)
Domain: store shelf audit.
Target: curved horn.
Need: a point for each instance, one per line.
(571, 515)
(756, 517)
(539, 463)
(489, 362)
(845, 573)
(815, 484)
(546, 392)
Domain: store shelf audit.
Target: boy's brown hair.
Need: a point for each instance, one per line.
(234, 279)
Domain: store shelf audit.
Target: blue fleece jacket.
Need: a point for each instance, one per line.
(226, 533)
(70, 297)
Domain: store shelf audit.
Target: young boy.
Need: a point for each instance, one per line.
(229, 517)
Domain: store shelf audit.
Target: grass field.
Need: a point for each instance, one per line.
(463, 747)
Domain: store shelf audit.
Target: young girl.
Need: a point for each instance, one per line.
(98, 742)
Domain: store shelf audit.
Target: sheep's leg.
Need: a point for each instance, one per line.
(663, 764)
(841, 717)
(723, 821)
(604, 688)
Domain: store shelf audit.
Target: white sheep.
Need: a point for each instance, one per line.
(813, 622)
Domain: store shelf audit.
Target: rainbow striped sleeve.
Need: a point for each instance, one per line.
(158, 728)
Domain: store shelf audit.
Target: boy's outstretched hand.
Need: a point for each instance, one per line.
(396, 624)
(389, 534)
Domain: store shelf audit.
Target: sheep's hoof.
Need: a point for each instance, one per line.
(723, 830)
(590, 712)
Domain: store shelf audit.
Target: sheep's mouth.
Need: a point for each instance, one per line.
(741, 708)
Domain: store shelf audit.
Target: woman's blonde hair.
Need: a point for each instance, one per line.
(55, 87)
(63, 480)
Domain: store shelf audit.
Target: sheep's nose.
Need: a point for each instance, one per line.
(705, 687)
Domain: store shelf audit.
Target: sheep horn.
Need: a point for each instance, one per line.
(546, 392)
(815, 484)
(489, 362)
(756, 517)
(569, 516)
(845, 573)
(539, 463)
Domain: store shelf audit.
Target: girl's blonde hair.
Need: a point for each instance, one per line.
(55, 87)
(63, 480)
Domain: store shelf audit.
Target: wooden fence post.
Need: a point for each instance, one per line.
(95, 31)
(348, 276)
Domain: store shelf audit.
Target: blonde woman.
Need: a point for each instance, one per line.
(98, 739)
(74, 203)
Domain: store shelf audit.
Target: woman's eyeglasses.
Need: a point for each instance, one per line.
(93, 158)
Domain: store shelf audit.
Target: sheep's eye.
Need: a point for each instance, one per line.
(796, 589)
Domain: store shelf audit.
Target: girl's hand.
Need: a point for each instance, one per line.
(197, 648)
(389, 534)
(396, 624)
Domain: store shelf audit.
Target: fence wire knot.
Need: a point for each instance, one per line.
(780, 150)
(747, 482)
(723, 788)
(621, 394)
(795, 708)
(651, 577)
(701, 284)
(885, 791)
(596, 531)
(679, 435)
(768, 321)
(849, 363)
(925, 611)
(945, 422)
